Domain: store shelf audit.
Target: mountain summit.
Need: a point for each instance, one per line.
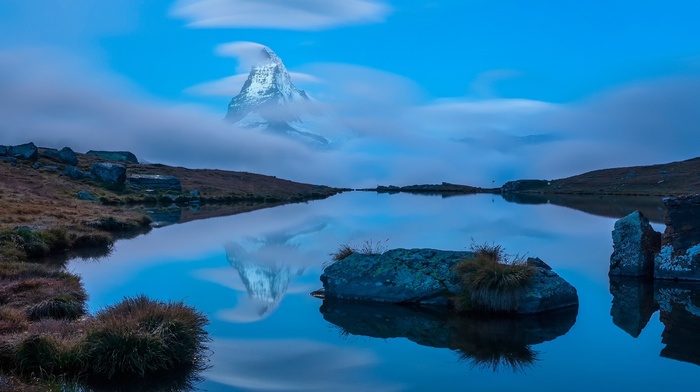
(270, 101)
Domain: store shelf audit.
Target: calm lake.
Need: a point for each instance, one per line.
(252, 274)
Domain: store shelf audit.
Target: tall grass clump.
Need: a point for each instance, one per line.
(68, 307)
(492, 281)
(140, 337)
(343, 252)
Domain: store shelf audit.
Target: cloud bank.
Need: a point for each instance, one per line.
(280, 14)
(403, 136)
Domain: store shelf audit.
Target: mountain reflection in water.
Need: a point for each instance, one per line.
(264, 265)
(495, 342)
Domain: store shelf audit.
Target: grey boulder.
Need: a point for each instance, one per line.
(24, 151)
(635, 244)
(110, 173)
(679, 257)
(75, 173)
(124, 156)
(426, 277)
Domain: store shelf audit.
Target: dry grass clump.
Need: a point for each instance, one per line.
(138, 340)
(491, 281)
(343, 251)
(369, 247)
(140, 337)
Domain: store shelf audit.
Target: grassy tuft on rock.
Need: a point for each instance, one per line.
(491, 281)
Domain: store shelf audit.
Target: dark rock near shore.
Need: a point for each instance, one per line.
(9, 159)
(124, 156)
(426, 277)
(635, 244)
(3, 150)
(547, 291)
(24, 151)
(679, 257)
(111, 173)
(156, 182)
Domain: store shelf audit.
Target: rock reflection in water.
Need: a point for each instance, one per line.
(486, 341)
(634, 301)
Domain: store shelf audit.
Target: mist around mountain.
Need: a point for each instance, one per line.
(270, 101)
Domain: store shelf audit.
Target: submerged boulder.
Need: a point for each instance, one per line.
(679, 257)
(635, 244)
(427, 277)
(124, 156)
(156, 182)
(111, 173)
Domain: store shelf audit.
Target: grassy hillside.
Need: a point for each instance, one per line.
(668, 179)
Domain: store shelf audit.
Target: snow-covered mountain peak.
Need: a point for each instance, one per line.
(270, 101)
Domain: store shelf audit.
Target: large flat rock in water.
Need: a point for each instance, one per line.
(426, 277)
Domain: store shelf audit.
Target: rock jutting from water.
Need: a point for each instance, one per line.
(428, 277)
(677, 257)
(635, 244)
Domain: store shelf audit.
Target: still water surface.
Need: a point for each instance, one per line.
(252, 274)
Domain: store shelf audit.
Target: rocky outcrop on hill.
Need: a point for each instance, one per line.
(156, 182)
(23, 151)
(635, 244)
(427, 277)
(110, 173)
(434, 189)
(65, 155)
(525, 186)
(75, 173)
(123, 156)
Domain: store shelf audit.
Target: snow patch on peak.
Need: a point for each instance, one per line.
(269, 100)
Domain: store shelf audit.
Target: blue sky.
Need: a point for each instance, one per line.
(461, 91)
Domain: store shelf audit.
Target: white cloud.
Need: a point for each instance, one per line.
(280, 14)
